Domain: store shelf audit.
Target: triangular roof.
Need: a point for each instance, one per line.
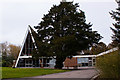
(33, 38)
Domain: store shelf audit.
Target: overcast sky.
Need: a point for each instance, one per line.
(16, 15)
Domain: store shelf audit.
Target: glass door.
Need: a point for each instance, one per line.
(28, 63)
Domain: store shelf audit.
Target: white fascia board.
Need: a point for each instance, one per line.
(107, 52)
(22, 47)
(48, 57)
(32, 37)
(79, 56)
(103, 53)
(25, 57)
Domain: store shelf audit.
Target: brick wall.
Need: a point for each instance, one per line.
(70, 62)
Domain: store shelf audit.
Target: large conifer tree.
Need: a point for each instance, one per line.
(116, 30)
(64, 31)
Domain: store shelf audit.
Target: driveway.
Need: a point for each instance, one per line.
(88, 73)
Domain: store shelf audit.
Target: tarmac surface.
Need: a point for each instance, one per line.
(81, 74)
(71, 74)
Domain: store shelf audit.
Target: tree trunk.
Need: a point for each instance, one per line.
(59, 63)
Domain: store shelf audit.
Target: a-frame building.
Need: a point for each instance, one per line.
(25, 58)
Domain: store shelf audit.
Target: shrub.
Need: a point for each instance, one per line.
(7, 61)
(109, 65)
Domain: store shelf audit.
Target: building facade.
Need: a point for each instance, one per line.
(25, 58)
(80, 61)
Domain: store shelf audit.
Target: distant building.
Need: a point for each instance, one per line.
(80, 61)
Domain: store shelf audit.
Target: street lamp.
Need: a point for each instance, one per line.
(118, 1)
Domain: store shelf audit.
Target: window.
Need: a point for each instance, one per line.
(93, 60)
(84, 64)
(28, 63)
(82, 60)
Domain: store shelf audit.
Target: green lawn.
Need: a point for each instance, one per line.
(8, 72)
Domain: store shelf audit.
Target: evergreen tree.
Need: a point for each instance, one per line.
(64, 31)
(98, 48)
(116, 30)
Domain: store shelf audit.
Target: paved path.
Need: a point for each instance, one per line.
(83, 74)
(88, 73)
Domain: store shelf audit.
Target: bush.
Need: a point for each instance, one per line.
(7, 61)
(109, 65)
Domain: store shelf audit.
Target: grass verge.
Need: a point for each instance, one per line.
(8, 72)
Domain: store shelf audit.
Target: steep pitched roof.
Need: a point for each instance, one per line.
(34, 39)
(35, 36)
